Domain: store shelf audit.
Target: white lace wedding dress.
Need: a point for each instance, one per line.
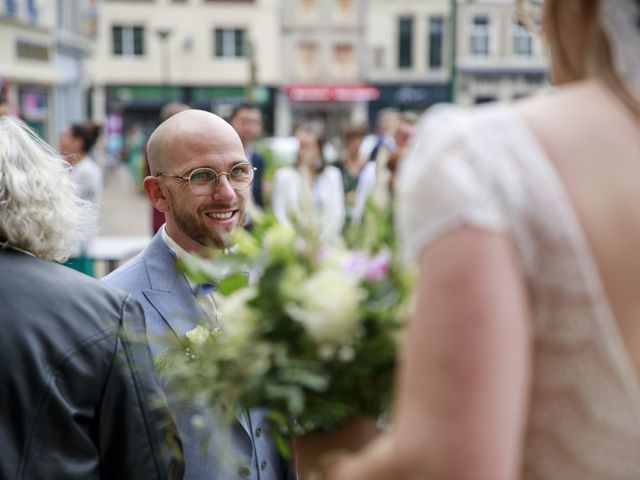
(484, 168)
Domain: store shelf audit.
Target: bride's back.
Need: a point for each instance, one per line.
(593, 140)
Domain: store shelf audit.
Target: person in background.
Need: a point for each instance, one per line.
(351, 165)
(200, 179)
(311, 190)
(386, 156)
(522, 359)
(76, 142)
(133, 154)
(80, 399)
(386, 123)
(246, 119)
(4, 106)
(167, 111)
(402, 136)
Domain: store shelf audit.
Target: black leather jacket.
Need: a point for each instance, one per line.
(76, 393)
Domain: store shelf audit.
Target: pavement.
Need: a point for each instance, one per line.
(125, 218)
(125, 208)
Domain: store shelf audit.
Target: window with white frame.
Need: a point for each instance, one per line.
(480, 35)
(127, 41)
(229, 42)
(522, 41)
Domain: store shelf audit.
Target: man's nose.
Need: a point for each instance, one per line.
(223, 190)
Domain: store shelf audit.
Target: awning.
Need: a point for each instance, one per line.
(355, 92)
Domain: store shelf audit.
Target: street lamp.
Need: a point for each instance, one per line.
(453, 25)
(165, 67)
(249, 91)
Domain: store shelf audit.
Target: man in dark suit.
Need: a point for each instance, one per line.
(246, 119)
(80, 399)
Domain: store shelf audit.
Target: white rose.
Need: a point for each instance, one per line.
(328, 305)
(198, 335)
(236, 317)
(279, 240)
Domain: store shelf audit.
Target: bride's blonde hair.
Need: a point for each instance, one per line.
(39, 209)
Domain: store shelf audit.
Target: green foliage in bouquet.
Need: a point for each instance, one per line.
(307, 330)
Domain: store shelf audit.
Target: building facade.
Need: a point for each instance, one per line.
(43, 49)
(210, 54)
(409, 54)
(323, 68)
(497, 58)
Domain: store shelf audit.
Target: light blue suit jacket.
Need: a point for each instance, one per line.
(171, 307)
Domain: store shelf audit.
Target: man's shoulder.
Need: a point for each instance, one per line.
(131, 277)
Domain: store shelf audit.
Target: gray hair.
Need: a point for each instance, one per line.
(40, 210)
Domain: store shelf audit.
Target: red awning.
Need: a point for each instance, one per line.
(332, 93)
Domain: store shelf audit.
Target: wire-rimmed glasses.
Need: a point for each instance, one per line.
(203, 180)
(529, 13)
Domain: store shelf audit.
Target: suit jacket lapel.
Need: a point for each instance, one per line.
(172, 297)
(170, 293)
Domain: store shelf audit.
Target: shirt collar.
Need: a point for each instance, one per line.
(177, 252)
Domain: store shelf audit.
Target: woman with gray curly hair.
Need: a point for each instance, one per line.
(79, 396)
(40, 211)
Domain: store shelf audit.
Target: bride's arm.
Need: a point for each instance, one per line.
(462, 396)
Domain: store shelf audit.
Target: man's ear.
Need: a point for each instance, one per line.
(155, 194)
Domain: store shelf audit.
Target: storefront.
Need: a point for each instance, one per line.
(408, 97)
(331, 107)
(128, 106)
(140, 105)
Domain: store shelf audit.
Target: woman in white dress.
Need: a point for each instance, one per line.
(76, 142)
(522, 358)
(311, 192)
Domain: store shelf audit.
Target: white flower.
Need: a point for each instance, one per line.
(198, 335)
(236, 316)
(327, 305)
(279, 241)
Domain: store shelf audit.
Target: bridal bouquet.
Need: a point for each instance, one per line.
(306, 330)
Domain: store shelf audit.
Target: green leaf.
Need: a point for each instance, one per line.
(233, 282)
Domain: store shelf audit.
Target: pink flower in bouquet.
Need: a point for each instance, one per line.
(356, 263)
(378, 266)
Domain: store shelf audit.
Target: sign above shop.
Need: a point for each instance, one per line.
(356, 92)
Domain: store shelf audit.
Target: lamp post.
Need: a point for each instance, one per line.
(249, 90)
(165, 64)
(453, 26)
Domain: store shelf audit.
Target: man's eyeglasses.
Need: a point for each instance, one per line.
(203, 180)
(529, 13)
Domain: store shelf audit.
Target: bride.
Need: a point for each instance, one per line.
(523, 356)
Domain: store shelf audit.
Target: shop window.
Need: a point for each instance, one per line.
(230, 42)
(127, 41)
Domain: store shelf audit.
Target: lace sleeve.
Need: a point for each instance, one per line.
(444, 183)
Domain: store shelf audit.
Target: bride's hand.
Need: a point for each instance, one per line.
(313, 451)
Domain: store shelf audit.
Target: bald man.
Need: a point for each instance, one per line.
(200, 179)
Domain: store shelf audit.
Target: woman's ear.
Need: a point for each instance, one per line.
(155, 193)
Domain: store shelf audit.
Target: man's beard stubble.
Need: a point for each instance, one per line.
(194, 228)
